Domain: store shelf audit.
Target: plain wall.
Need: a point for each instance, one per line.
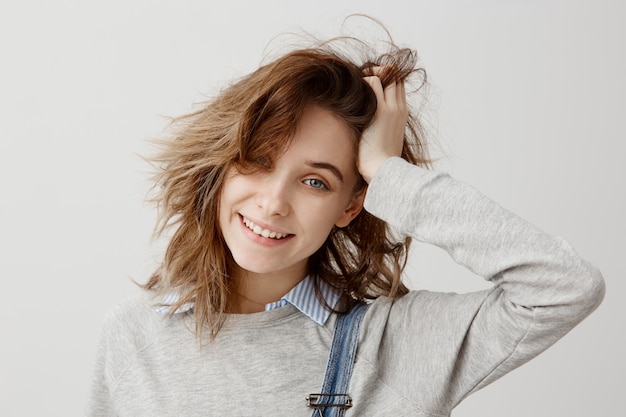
(526, 103)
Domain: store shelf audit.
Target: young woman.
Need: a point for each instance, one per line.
(283, 191)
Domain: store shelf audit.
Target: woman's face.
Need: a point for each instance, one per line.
(273, 220)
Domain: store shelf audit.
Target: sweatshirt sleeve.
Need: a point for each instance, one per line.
(438, 348)
(99, 403)
(127, 329)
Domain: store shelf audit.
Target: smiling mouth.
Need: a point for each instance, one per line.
(270, 234)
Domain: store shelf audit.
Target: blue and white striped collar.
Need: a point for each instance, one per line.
(302, 296)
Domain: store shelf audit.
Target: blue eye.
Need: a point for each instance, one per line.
(315, 183)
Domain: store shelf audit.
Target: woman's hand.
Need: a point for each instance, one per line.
(384, 137)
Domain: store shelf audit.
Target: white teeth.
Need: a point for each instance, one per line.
(263, 232)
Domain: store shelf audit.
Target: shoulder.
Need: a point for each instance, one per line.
(131, 312)
(131, 326)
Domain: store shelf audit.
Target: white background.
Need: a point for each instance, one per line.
(527, 104)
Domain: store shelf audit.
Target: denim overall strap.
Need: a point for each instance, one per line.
(334, 399)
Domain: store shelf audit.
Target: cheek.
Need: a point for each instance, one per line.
(225, 202)
(230, 191)
(221, 214)
(321, 218)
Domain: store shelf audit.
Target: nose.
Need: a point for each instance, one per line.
(273, 196)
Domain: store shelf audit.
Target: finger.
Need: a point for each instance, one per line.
(391, 92)
(401, 93)
(372, 71)
(376, 85)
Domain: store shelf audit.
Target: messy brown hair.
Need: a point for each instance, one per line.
(248, 125)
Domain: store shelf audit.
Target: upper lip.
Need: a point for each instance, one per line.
(263, 225)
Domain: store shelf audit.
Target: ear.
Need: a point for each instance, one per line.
(353, 209)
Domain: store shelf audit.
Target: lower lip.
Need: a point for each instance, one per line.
(265, 241)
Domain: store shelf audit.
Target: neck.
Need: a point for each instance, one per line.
(253, 291)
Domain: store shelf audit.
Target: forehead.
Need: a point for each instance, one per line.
(323, 136)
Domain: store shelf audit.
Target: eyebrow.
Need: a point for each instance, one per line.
(325, 165)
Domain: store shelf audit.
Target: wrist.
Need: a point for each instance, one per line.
(371, 167)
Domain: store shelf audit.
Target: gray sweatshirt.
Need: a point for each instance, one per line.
(419, 355)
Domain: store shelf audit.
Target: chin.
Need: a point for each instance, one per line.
(256, 267)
